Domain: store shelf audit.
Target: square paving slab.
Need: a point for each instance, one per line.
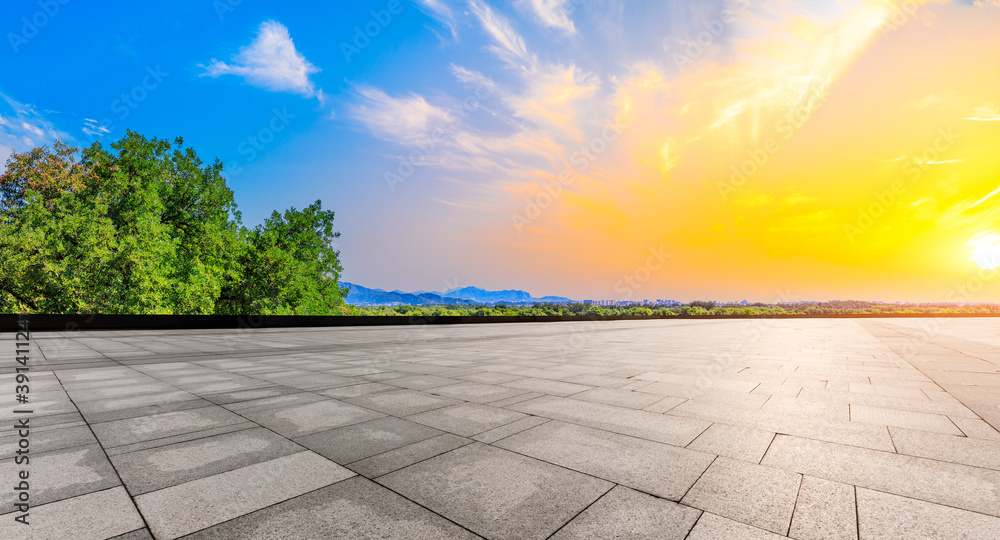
(496, 493)
(848, 429)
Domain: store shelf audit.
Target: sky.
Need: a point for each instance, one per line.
(596, 149)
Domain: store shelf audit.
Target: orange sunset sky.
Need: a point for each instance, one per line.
(595, 149)
(866, 136)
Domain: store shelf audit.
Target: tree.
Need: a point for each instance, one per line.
(146, 227)
(289, 266)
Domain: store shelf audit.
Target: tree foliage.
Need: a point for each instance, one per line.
(146, 227)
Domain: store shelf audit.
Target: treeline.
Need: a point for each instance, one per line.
(146, 227)
(825, 308)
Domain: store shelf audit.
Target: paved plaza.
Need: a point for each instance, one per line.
(666, 429)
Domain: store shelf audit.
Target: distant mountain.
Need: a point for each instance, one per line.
(377, 297)
(483, 296)
(464, 295)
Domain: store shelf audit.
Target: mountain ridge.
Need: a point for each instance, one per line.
(365, 296)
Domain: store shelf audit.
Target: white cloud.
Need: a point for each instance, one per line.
(270, 62)
(987, 113)
(440, 11)
(551, 13)
(405, 120)
(94, 128)
(509, 45)
(23, 128)
(473, 78)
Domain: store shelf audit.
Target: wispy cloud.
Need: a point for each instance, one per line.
(271, 62)
(987, 113)
(22, 128)
(551, 13)
(401, 119)
(94, 128)
(509, 44)
(441, 11)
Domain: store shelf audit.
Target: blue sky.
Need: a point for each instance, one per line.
(438, 130)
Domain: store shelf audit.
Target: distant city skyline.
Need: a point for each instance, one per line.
(770, 151)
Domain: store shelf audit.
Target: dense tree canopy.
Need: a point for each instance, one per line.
(147, 227)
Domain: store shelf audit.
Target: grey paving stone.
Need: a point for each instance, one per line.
(906, 419)
(358, 441)
(46, 440)
(467, 419)
(512, 400)
(824, 510)
(393, 460)
(886, 516)
(546, 386)
(976, 428)
(642, 424)
(60, 474)
(889, 402)
(352, 508)
(94, 516)
(303, 419)
(733, 442)
(275, 402)
(625, 513)
(656, 468)
(158, 426)
(815, 427)
(138, 534)
(958, 378)
(355, 390)
(496, 493)
(134, 402)
(664, 404)
(621, 398)
(713, 527)
(176, 439)
(598, 380)
(223, 398)
(950, 484)
(507, 430)
(146, 410)
(760, 496)
(488, 377)
(182, 509)
(402, 402)
(422, 382)
(477, 392)
(808, 407)
(974, 452)
(165, 466)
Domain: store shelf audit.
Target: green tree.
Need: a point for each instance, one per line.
(146, 227)
(289, 267)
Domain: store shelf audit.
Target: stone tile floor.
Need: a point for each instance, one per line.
(809, 429)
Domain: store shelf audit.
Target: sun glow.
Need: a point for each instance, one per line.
(985, 250)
